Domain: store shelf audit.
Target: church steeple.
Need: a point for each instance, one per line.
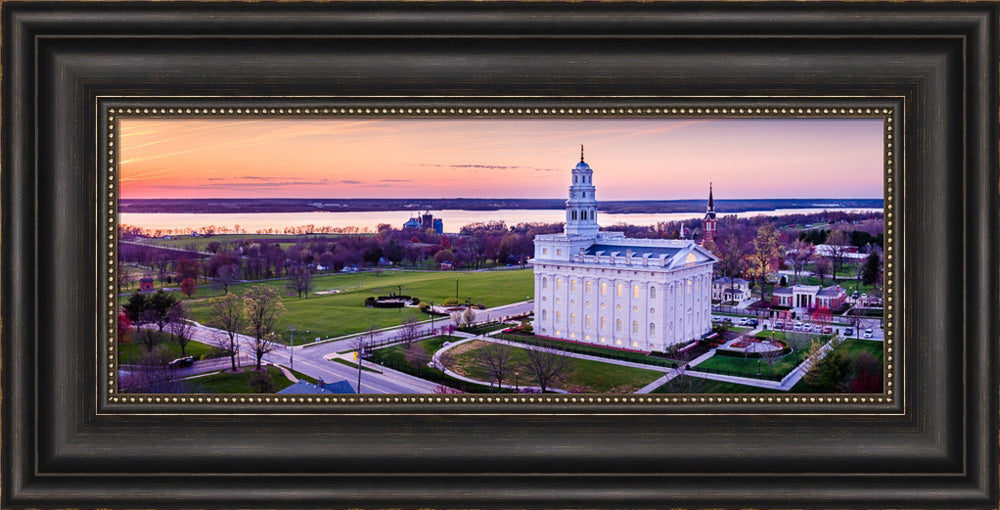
(708, 225)
(581, 208)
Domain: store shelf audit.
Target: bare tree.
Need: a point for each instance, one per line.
(469, 316)
(547, 365)
(180, 326)
(409, 329)
(802, 254)
(456, 317)
(300, 280)
(837, 246)
(496, 357)
(765, 251)
(263, 307)
(227, 275)
(770, 356)
(416, 356)
(227, 315)
(822, 268)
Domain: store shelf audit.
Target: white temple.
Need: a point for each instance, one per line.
(606, 289)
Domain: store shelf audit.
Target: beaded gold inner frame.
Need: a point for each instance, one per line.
(111, 111)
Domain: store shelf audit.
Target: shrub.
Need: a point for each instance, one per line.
(451, 301)
(480, 306)
(424, 307)
(370, 301)
(414, 300)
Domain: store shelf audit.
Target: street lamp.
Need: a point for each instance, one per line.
(291, 350)
(456, 288)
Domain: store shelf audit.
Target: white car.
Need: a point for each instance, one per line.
(798, 326)
(868, 334)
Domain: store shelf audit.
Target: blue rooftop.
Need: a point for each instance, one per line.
(306, 388)
(637, 251)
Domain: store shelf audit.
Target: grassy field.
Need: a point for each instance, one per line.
(699, 385)
(588, 376)
(201, 242)
(853, 347)
(344, 313)
(133, 352)
(225, 382)
(750, 366)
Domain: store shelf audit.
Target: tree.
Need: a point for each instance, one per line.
(872, 269)
(180, 327)
(456, 317)
(547, 365)
(300, 280)
(444, 256)
(262, 307)
(417, 356)
(187, 268)
(188, 287)
(867, 374)
(770, 356)
(262, 383)
(146, 335)
(226, 275)
(227, 314)
(160, 302)
(136, 304)
(765, 251)
(409, 329)
(496, 357)
(822, 268)
(124, 326)
(469, 316)
(125, 278)
(802, 254)
(838, 244)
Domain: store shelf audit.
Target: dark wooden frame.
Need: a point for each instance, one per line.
(933, 446)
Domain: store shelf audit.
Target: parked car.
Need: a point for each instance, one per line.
(827, 330)
(779, 325)
(186, 361)
(868, 334)
(744, 321)
(798, 326)
(752, 322)
(848, 331)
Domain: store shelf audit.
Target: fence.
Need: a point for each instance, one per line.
(738, 373)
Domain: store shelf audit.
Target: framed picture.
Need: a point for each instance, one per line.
(138, 134)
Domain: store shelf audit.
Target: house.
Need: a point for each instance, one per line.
(730, 289)
(146, 284)
(810, 296)
(304, 388)
(606, 289)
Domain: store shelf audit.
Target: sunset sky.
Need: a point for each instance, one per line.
(648, 159)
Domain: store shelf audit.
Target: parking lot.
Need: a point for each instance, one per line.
(869, 329)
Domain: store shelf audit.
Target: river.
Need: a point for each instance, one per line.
(454, 219)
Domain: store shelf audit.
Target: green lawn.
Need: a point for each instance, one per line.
(225, 382)
(853, 346)
(341, 314)
(588, 376)
(748, 367)
(699, 385)
(132, 352)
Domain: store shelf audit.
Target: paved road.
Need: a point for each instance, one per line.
(313, 359)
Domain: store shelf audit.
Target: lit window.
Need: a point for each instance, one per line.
(635, 326)
(572, 285)
(635, 344)
(558, 252)
(618, 341)
(558, 283)
(588, 286)
(586, 337)
(652, 293)
(572, 335)
(635, 291)
(587, 304)
(618, 324)
(604, 340)
(545, 251)
(604, 288)
(572, 319)
(586, 321)
(558, 316)
(604, 306)
(690, 286)
(620, 288)
(604, 324)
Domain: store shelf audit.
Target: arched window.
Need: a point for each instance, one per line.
(652, 293)
(574, 214)
(572, 285)
(604, 288)
(591, 214)
(604, 324)
(620, 287)
(558, 316)
(572, 319)
(545, 314)
(635, 290)
(558, 283)
(652, 329)
(586, 321)
(545, 283)
(588, 286)
(635, 326)
(618, 324)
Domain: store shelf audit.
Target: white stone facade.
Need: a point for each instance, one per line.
(605, 289)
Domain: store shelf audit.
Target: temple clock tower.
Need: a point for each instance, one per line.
(708, 228)
(581, 208)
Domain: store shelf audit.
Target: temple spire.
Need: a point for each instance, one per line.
(581, 152)
(711, 204)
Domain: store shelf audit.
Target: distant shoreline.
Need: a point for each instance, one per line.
(291, 205)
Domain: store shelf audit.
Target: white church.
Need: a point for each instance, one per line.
(606, 289)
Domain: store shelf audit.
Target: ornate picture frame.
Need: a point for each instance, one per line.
(929, 441)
